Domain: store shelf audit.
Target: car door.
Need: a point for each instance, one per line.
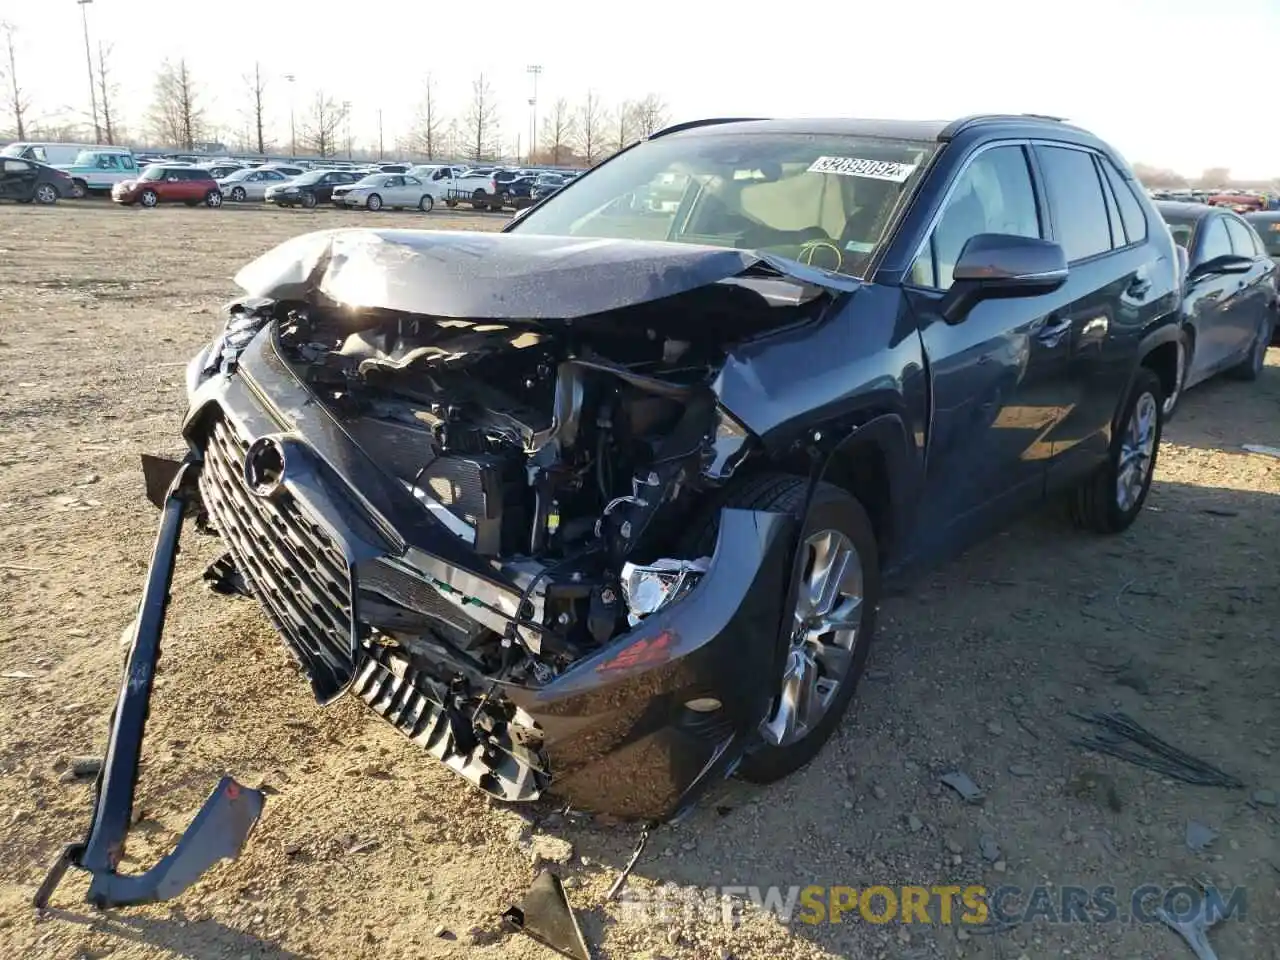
(1207, 301)
(1109, 299)
(995, 376)
(413, 191)
(18, 180)
(1251, 302)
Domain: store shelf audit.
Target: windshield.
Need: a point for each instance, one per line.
(820, 199)
(372, 180)
(13, 150)
(154, 173)
(238, 174)
(307, 178)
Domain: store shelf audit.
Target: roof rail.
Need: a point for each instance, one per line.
(955, 126)
(691, 124)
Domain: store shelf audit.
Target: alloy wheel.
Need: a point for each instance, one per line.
(45, 193)
(1137, 447)
(825, 627)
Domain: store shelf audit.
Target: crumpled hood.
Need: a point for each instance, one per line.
(501, 276)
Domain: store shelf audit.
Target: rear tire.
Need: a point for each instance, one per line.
(1097, 504)
(79, 189)
(1251, 367)
(374, 202)
(832, 511)
(46, 193)
(213, 199)
(238, 194)
(309, 200)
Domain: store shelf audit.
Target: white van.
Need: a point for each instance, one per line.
(50, 153)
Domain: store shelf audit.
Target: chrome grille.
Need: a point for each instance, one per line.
(296, 570)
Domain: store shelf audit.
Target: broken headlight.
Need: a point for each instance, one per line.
(649, 587)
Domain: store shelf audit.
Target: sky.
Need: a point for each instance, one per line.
(1173, 83)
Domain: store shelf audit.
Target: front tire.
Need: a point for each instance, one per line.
(79, 189)
(1111, 499)
(374, 202)
(309, 200)
(148, 198)
(832, 620)
(427, 203)
(213, 199)
(238, 194)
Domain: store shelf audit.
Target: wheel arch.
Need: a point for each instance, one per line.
(876, 464)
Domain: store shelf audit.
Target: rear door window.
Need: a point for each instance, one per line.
(1076, 199)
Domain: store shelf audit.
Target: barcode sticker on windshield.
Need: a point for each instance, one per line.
(872, 169)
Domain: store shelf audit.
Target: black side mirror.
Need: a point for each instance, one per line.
(996, 266)
(1226, 263)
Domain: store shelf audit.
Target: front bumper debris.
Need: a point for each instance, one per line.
(224, 822)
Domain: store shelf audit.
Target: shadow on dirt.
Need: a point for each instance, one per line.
(193, 939)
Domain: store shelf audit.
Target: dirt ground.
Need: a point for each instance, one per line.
(367, 848)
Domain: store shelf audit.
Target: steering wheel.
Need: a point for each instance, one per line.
(809, 250)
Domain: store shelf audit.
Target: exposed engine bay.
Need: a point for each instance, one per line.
(572, 470)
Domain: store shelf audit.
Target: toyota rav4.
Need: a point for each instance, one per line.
(603, 506)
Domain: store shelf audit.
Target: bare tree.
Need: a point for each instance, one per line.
(257, 87)
(426, 134)
(483, 136)
(558, 131)
(623, 124)
(107, 95)
(650, 115)
(322, 128)
(18, 103)
(177, 114)
(591, 120)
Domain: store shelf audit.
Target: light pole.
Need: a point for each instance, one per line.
(533, 70)
(346, 114)
(88, 56)
(293, 131)
(379, 135)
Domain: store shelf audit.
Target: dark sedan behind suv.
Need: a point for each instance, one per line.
(602, 506)
(1229, 307)
(309, 189)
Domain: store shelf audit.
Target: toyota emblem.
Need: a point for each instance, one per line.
(264, 466)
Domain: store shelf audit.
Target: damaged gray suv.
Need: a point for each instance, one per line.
(602, 506)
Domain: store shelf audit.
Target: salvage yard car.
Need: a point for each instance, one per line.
(1230, 302)
(169, 183)
(602, 506)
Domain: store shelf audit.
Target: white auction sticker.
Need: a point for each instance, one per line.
(856, 167)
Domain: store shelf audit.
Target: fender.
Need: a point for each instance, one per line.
(904, 474)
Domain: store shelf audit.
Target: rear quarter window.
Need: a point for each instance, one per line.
(1131, 214)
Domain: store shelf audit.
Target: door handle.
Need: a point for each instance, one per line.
(1054, 329)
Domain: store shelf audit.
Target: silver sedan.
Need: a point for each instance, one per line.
(250, 184)
(379, 190)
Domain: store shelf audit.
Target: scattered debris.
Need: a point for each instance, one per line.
(1218, 512)
(1099, 788)
(1264, 798)
(963, 784)
(629, 866)
(1263, 449)
(988, 847)
(995, 728)
(362, 846)
(442, 932)
(914, 823)
(546, 916)
(1161, 756)
(1195, 931)
(1021, 770)
(1199, 835)
(17, 675)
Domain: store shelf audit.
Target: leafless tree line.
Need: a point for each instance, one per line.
(178, 116)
